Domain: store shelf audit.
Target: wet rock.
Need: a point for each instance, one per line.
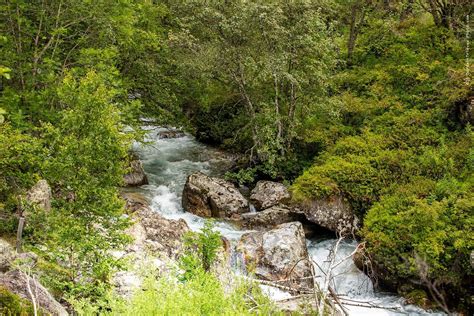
(171, 133)
(333, 213)
(271, 217)
(361, 260)
(17, 283)
(213, 197)
(268, 193)
(278, 255)
(151, 231)
(136, 176)
(162, 235)
(40, 195)
(134, 201)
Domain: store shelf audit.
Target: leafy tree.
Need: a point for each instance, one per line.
(273, 58)
(86, 221)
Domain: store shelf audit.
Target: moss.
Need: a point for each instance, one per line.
(13, 305)
(418, 297)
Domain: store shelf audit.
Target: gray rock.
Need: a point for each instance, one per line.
(271, 217)
(333, 213)
(171, 133)
(268, 193)
(151, 231)
(278, 255)
(7, 255)
(40, 195)
(16, 282)
(162, 235)
(213, 197)
(136, 176)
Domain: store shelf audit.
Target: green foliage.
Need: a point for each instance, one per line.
(420, 232)
(13, 305)
(242, 176)
(201, 250)
(260, 66)
(86, 223)
(204, 294)
(400, 155)
(265, 78)
(21, 159)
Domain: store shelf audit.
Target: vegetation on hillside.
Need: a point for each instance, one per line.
(364, 98)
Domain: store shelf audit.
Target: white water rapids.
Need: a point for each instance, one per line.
(169, 161)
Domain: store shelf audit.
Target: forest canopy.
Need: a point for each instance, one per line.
(370, 100)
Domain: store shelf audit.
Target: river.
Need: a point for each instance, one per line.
(168, 162)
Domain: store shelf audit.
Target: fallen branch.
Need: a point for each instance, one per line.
(279, 286)
(366, 304)
(338, 301)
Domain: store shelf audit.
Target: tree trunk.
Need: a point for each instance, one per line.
(277, 113)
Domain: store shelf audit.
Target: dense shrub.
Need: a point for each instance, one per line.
(403, 160)
(420, 232)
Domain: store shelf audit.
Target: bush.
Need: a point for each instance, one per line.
(201, 250)
(419, 232)
(204, 294)
(13, 305)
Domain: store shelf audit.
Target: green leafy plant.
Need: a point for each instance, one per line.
(201, 250)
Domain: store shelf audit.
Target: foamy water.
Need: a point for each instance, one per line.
(168, 162)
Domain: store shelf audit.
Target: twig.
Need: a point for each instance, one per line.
(33, 300)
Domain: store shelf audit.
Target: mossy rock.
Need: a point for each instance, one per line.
(415, 296)
(13, 305)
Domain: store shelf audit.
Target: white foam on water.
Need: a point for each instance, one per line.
(353, 285)
(274, 293)
(165, 202)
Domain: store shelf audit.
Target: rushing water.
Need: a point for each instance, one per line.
(169, 161)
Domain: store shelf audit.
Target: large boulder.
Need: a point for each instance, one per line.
(162, 235)
(333, 213)
(151, 231)
(136, 176)
(40, 195)
(271, 217)
(268, 193)
(17, 282)
(278, 255)
(213, 197)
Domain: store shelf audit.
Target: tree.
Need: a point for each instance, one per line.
(448, 13)
(274, 58)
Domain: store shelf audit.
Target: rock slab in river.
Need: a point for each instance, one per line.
(212, 197)
(269, 193)
(171, 133)
(333, 213)
(271, 217)
(278, 254)
(136, 176)
(151, 231)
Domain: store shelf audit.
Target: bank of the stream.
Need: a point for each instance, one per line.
(168, 162)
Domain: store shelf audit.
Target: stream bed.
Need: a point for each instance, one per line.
(168, 162)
